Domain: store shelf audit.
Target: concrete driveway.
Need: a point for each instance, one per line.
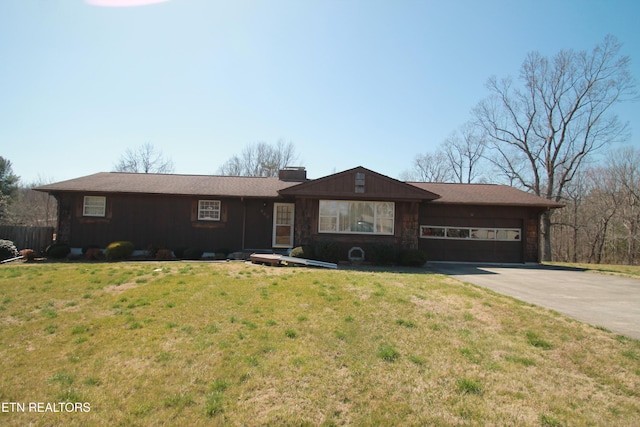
(601, 300)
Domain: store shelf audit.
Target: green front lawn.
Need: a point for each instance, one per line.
(149, 344)
(615, 269)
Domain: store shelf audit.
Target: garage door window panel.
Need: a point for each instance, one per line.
(483, 233)
(508, 234)
(458, 233)
(433, 232)
(471, 233)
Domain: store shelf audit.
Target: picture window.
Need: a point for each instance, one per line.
(356, 217)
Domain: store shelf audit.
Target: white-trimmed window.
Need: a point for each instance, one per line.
(94, 206)
(209, 210)
(356, 217)
(472, 233)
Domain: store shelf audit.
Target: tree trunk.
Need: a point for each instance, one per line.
(631, 244)
(545, 236)
(575, 230)
(603, 240)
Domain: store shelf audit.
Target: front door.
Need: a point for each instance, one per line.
(283, 216)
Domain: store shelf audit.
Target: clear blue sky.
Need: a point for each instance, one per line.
(349, 82)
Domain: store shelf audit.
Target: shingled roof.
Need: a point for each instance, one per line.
(484, 194)
(185, 185)
(239, 186)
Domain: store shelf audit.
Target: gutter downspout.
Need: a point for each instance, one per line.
(244, 221)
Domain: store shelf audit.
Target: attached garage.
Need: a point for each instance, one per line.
(480, 223)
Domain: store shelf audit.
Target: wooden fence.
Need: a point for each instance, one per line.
(23, 237)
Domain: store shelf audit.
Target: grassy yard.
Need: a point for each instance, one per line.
(150, 344)
(615, 269)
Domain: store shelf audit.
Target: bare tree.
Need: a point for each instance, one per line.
(144, 159)
(601, 220)
(458, 159)
(430, 167)
(33, 208)
(464, 151)
(599, 212)
(261, 159)
(625, 167)
(544, 131)
(568, 221)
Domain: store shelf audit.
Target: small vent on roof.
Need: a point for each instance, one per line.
(359, 182)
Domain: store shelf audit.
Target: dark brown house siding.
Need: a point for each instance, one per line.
(258, 220)
(524, 219)
(166, 222)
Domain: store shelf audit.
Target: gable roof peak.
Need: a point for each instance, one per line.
(359, 183)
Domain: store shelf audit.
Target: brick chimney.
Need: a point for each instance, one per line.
(293, 173)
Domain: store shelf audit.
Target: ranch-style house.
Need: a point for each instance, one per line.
(354, 208)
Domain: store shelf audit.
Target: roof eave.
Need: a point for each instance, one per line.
(150, 193)
(525, 205)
